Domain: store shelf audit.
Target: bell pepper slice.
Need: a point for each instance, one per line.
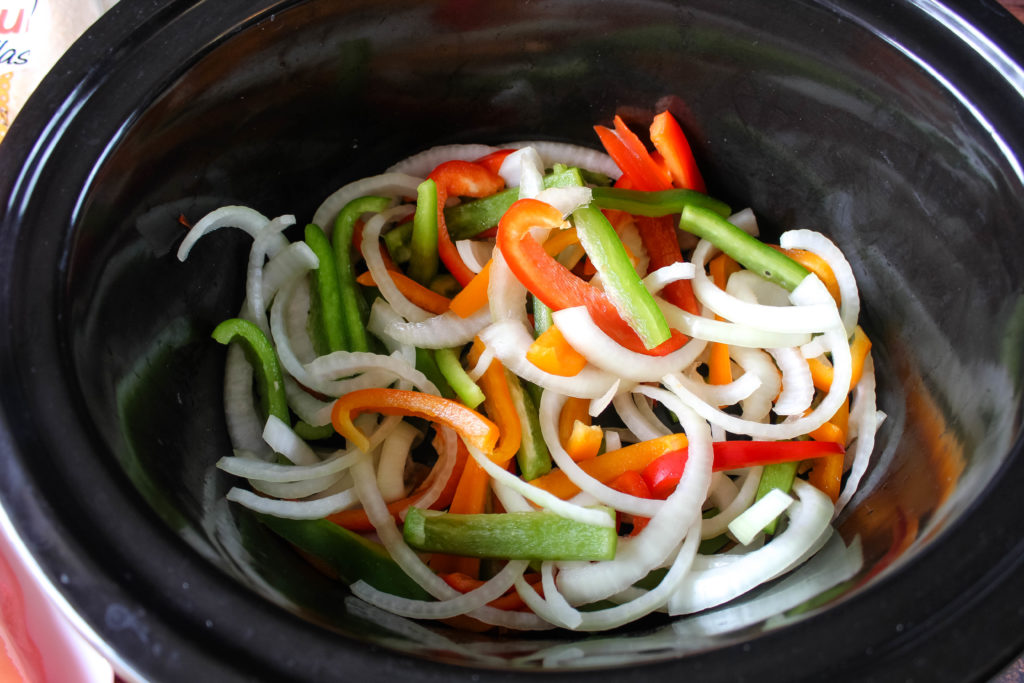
(631, 483)
(556, 286)
(493, 161)
(474, 428)
(325, 294)
(261, 354)
(659, 238)
(354, 309)
(663, 474)
(630, 155)
(662, 203)
(537, 535)
(552, 353)
(462, 179)
(671, 143)
(423, 241)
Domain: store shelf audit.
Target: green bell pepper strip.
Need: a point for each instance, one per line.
(777, 476)
(750, 252)
(325, 295)
(397, 241)
(427, 364)
(541, 316)
(351, 556)
(461, 383)
(653, 204)
(261, 354)
(533, 456)
(423, 257)
(354, 309)
(535, 535)
(469, 218)
(622, 284)
(312, 432)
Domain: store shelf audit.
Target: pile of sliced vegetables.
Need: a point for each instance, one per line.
(545, 386)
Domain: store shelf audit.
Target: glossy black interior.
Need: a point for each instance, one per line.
(875, 122)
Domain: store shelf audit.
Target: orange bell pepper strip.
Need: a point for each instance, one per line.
(608, 466)
(671, 143)
(719, 362)
(584, 441)
(573, 410)
(553, 354)
(473, 296)
(499, 405)
(475, 429)
(821, 374)
(425, 298)
(554, 284)
(461, 179)
(816, 265)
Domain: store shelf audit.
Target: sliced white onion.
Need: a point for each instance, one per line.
(245, 426)
(283, 440)
(510, 339)
(295, 490)
(424, 162)
(758, 405)
(254, 307)
(490, 590)
(746, 221)
(506, 296)
(338, 364)
(755, 518)
(571, 155)
(474, 253)
(598, 348)
(598, 405)
(293, 262)
(666, 275)
(864, 421)
(812, 349)
(446, 445)
(815, 242)
(443, 331)
(808, 520)
(296, 321)
(294, 509)
(250, 220)
(639, 418)
(385, 185)
(394, 454)
(721, 394)
(797, 387)
(662, 536)
(566, 199)
(793, 319)
(269, 471)
(724, 332)
(525, 170)
(718, 524)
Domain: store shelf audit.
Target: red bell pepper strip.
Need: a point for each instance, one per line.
(462, 179)
(493, 161)
(554, 284)
(662, 475)
(630, 155)
(671, 143)
(659, 237)
(632, 483)
(475, 429)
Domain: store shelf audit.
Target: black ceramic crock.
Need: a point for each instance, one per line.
(896, 127)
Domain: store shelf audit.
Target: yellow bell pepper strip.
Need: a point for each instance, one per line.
(354, 310)
(573, 410)
(537, 535)
(608, 466)
(462, 179)
(423, 243)
(473, 296)
(455, 375)
(555, 285)
(552, 353)
(474, 428)
(584, 441)
(350, 556)
(357, 520)
(533, 457)
(670, 141)
(263, 358)
(425, 298)
(753, 254)
(325, 295)
(860, 345)
(473, 217)
(622, 284)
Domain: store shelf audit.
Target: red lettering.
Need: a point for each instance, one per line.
(17, 27)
